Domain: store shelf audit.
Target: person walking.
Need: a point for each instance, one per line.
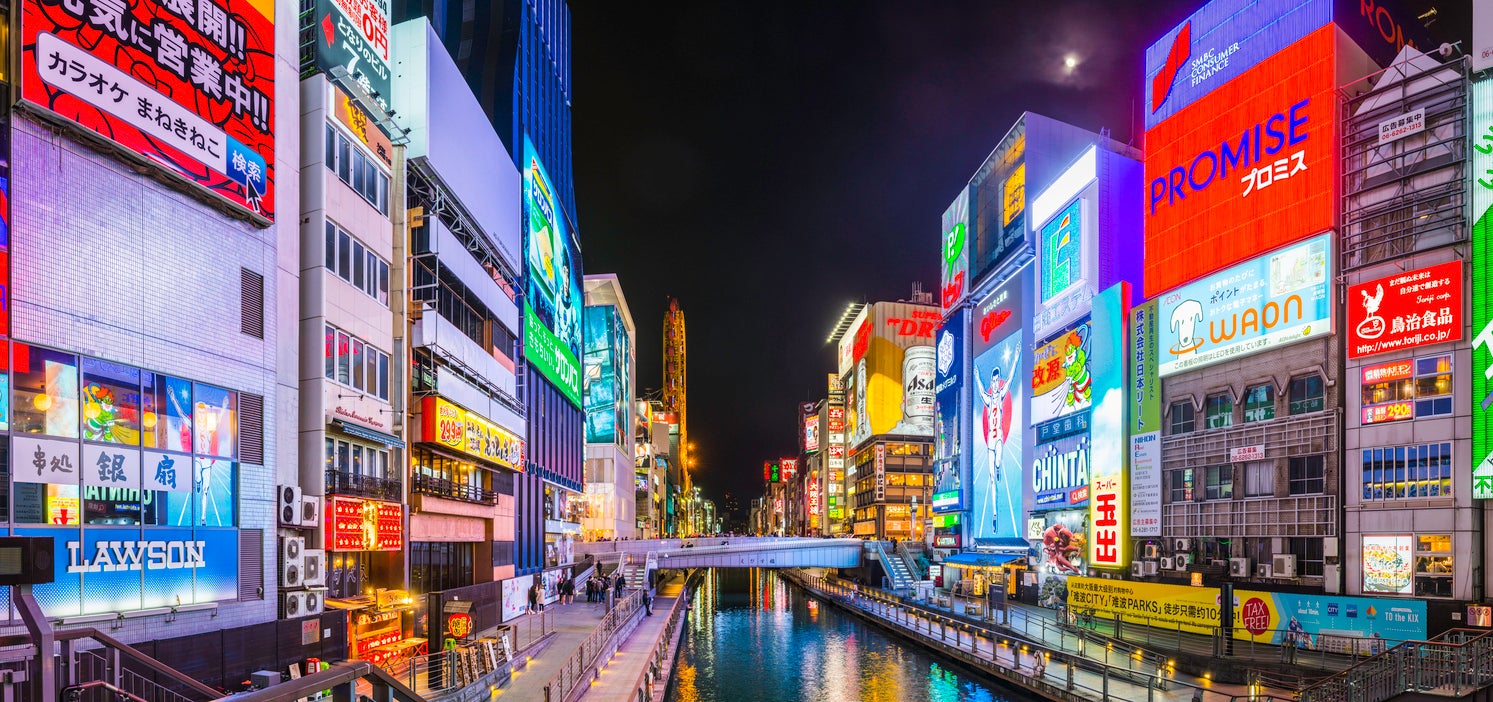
(620, 585)
(648, 601)
(534, 605)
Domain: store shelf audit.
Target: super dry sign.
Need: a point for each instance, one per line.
(1244, 170)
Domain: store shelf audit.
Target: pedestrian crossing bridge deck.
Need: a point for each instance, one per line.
(730, 552)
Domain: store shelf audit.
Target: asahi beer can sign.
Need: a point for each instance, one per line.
(919, 376)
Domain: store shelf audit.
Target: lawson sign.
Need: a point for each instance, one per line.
(116, 569)
(1220, 42)
(1273, 300)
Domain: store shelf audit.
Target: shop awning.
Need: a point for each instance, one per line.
(369, 434)
(984, 560)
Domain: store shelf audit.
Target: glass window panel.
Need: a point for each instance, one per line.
(383, 282)
(331, 247)
(359, 262)
(217, 421)
(383, 376)
(344, 460)
(1259, 403)
(358, 171)
(344, 160)
(45, 396)
(344, 371)
(383, 194)
(331, 352)
(39, 503)
(344, 255)
(111, 402)
(216, 492)
(357, 364)
(371, 372)
(331, 148)
(357, 468)
(331, 454)
(172, 400)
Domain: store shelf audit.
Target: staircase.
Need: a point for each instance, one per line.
(1453, 664)
(636, 574)
(896, 569)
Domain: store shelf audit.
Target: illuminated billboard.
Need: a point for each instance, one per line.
(354, 35)
(955, 251)
(448, 424)
(1280, 298)
(1388, 564)
(190, 87)
(1406, 310)
(1109, 490)
(1062, 251)
(997, 214)
(1062, 547)
(1218, 43)
(1246, 169)
(890, 389)
(1144, 416)
(1062, 385)
(1060, 474)
(1482, 289)
(552, 308)
(604, 385)
(996, 417)
(948, 478)
(110, 570)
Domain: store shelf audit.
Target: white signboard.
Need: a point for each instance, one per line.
(1402, 126)
(1245, 454)
(1145, 484)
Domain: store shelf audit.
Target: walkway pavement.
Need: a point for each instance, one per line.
(991, 646)
(619, 676)
(573, 623)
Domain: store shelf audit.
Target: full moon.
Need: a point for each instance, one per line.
(1070, 62)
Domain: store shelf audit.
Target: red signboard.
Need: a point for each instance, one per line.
(1406, 310)
(1392, 412)
(355, 524)
(1245, 169)
(946, 541)
(790, 467)
(1385, 372)
(189, 85)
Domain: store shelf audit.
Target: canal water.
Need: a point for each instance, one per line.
(753, 636)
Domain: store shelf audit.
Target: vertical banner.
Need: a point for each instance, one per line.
(880, 472)
(1482, 288)
(1109, 518)
(1144, 396)
(948, 479)
(955, 255)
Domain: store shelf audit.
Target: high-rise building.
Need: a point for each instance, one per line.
(675, 392)
(609, 387)
(515, 55)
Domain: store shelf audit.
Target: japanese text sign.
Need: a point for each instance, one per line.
(355, 34)
(188, 85)
(444, 423)
(355, 524)
(1109, 493)
(1406, 310)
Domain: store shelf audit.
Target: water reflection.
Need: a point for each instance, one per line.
(752, 636)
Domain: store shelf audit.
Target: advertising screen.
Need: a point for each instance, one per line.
(604, 386)
(890, 389)
(955, 254)
(552, 325)
(1406, 310)
(190, 87)
(948, 478)
(356, 524)
(354, 34)
(1218, 43)
(1246, 169)
(1060, 473)
(516, 596)
(998, 213)
(1277, 299)
(1388, 564)
(98, 572)
(448, 424)
(1063, 551)
(1482, 293)
(1144, 417)
(1061, 239)
(811, 433)
(1061, 383)
(996, 454)
(1109, 492)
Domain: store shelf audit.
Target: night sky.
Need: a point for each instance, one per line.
(768, 163)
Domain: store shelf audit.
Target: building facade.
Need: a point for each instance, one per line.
(609, 388)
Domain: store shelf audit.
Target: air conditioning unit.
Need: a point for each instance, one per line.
(314, 568)
(1217, 563)
(1181, 544)
(315, 600)
(1283, 565)
(1168, 563)
(292, 604)
(1150, 568)
(1183, 560)
(292, 561)
(290, 505)
(1239, 567)
(1262, 570)
(1151, 550)
(1136, 569)
(310, 510)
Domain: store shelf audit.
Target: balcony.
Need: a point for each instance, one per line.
(1291, 435)
(343, 483)
(438, 487)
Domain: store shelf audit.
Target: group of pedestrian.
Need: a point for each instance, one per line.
(597, 586)
(566, 587)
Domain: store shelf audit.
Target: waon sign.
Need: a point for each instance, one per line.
(1245, 169)
(1405, 310)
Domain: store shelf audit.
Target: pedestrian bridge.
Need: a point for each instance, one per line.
(732, 552)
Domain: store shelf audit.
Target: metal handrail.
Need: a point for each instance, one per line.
(606, 634)
(440, 487)
(385, 686)
(643, 685)
(136, 656)
(341, 482)
(1413, 666)
(414, 671)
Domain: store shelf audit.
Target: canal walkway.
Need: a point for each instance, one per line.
(1056, 669)
(643, 661)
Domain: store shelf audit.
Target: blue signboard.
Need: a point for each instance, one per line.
(1220, 42)
(1328, 622)
(948, 479)
(116, 569)
(995, 455)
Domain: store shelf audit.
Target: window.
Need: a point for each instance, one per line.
(1259, 479)
(1182, 485)
(1307, 475)
(1182, 417)
(1433, 565)
(344, 346)
(111, 402)
(1218, 483)
(1308, 552)
(1259, 403)
(358, 364)
(46, 392)
(357, 170)
(1406, 472)
(1306, 394)
(1219, 411)
(354, 262)
(1407, 389)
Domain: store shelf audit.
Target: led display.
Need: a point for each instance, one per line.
(1405, 310)
(1109, 491)
(552, 309)
(189, 86)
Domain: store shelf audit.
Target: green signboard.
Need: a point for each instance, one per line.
(1482, 288)
(551, 357)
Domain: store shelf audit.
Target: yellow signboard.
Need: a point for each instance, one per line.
(1193, 609)
(456, 428)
